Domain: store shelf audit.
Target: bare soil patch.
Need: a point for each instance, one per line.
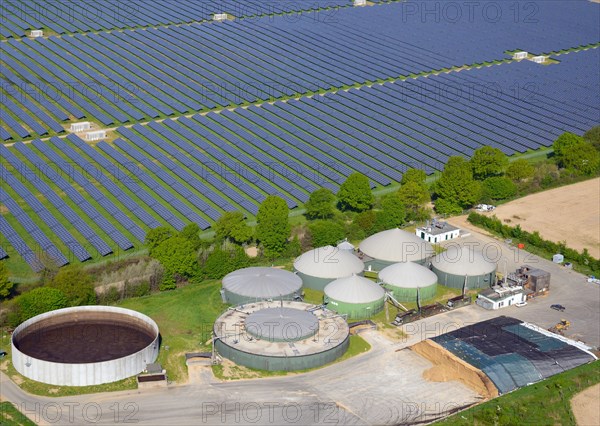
(569, 213)
(586, 406)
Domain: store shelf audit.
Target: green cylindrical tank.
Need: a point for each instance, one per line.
(320, 266)
(458, 264)
(392, 246)
(405, 279)
(355, 296)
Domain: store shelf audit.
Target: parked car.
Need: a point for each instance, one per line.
(558, 307)
(520, 304)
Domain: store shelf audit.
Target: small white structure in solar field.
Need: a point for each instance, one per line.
(520, 55)
(220, 17)
(539, 59)
(360, 2)
(95, 135)
(80, 127)
(37, 33)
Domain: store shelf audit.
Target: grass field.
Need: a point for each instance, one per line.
(10, 416)
(544, 403)
(185, 319)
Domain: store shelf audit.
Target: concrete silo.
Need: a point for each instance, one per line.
(458, 264)
(84, 345)
(355, 296)
(260, 283)
(406, 278)
(320, 266)
(281, 336)
(392, 246)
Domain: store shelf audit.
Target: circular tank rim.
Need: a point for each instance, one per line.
(65, 311)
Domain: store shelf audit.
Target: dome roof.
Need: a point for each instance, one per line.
(282, 324)
(261, 282)
(459, 260)
(328, 262)
(345, 245)
(396, 245)
(354, 289)
(407, 275)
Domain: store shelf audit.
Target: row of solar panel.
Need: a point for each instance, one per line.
(44, 214)
(20, 246)
(71, 16)
(243, 77)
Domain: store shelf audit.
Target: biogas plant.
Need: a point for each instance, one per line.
(281, 335)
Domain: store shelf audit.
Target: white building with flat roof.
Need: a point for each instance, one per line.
(437, 231)
(500, 297)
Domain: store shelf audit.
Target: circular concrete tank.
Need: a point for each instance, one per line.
(320, 266)
(85, 345)
(392, 246)
(260, 283)
(355, 296)
(281, 336)
(406, 278)
(460, 264)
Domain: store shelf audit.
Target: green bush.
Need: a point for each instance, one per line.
(499, 188)
(220, 262)
(326, 232)
(40, 300)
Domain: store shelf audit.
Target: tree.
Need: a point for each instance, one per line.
(178, 256)
(191, 232)
(487, 161)
(580, 157)
(414, 175)
(326, 232)
(593, 137)
(447, 207)
(414, 196)
(76, 284)
(6, 285)
(456, 187)
(273, 227)
(519, 170)
(365, 221)
(392, 213)
(220, 262)
(320, 205)
(232, 226)
(40, 300)
(498, 188)
(156, 236)
(355, 193)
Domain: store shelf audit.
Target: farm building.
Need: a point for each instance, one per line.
(320, 266)
(437, 231)
(260, 283)
(355, 296)
(459, 264)
(282, 336)
(500, 297)
(392, 246)
(405, 279)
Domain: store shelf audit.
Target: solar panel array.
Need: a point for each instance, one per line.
(96, 15)
(194, 168)
(138, 75)
(20, 246)
(44, 214)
